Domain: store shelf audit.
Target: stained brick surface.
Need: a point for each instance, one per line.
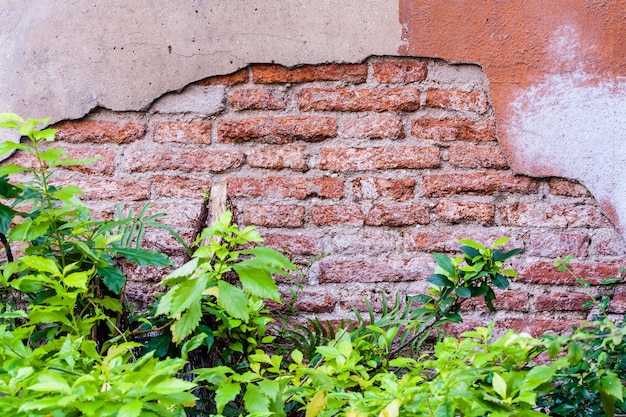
(358, 172)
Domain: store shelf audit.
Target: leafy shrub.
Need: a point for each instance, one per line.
(208, 345)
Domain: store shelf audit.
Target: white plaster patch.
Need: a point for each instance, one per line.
(574, 125)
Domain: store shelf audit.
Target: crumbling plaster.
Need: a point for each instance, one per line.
(556, 67)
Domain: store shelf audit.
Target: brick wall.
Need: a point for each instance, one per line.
(376, 165)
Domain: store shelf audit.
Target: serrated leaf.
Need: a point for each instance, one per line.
(144, 257)
(499, 385)
(257, 281)
(49, 382)
(66, 193)
(11, 169)
(255, 400)
(113, 278)
(225, 394)
(132, 409)
(233, 300)
(187, 322)
(182, 273)
(574, 353)
(78, 279)
(29, 230)
(610, 384)
(40, 264)
(317, 404)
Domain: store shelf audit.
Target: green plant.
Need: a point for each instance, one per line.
(591, 384)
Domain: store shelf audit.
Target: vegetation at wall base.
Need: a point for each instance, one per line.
(209, 345)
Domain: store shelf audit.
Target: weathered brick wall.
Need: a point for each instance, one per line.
(376, 165)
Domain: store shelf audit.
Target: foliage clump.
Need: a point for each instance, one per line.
(208, 346)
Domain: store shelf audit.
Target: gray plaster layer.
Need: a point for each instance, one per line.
(62, 58)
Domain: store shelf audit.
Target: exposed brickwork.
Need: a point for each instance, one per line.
(361, 171)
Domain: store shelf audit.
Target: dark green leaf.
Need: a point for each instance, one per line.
(463, 292)
(112, 278)
(159, 344)
(498, 255)
(144, 257)
(470, 252)
(6, 217)
(444, 262)
(500, 282)
(440, 280)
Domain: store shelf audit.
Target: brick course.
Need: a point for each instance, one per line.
(362, 170)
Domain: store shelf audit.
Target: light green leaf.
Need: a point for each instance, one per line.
(66, 193)
(257, 281)
(499, 385)
(182, 273)
(187, 322)
(172, 386)
(255, 400)
(29, 230)
(225, 394)
(11, 169)
(182, 295)
(233, 300)
(132, 409)
(78, 279)
(40, 264)
(49, 382)
(444, 263)
(611, 385)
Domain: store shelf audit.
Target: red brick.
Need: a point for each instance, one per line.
(237, 77)
(274, 215)
(294, 245)
(373, 188)
(398, 215)
(399, 71)
(279, 157)
(537, 326)
(475, 101)
(478, 183)
(359, 100)
(104, 164)
(609, 242)
(99, 131)
(553, 215)
(545, 273)
(465, 211)
(277, 129)
(142, 160)
(180, 187)
(111, 189)
(561, 301)
(380, 270)
(364, 242)
(442, 241)
(315, 301)
(337, 214)
(508, 300)
(378, 126)
(449, 129)
(551, 244)
(268, 74)
(561, 186)
(183, 132)
(467, 155)
(618, 303)
(379, 158)
(283, 187)
(258, 99)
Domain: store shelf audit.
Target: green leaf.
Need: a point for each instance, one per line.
(132, 409)
(6, 217)
(187, 322)
(500, 256)
(225, 394)
(29, 230)
(78, 279)
(233, 300)
(66, 193)
(574, 353)
(444, 262)
(610, 384)
(318, 403)
(113, 278)
(255, 400)
(499, 385)
(182, 295)
(144, 257)
(473, 244)
(440, 280)
(11, 169)
(192, 344)
(500, 282)
(49, 382)
(40, 264)
(463, 292)
(257, 281)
